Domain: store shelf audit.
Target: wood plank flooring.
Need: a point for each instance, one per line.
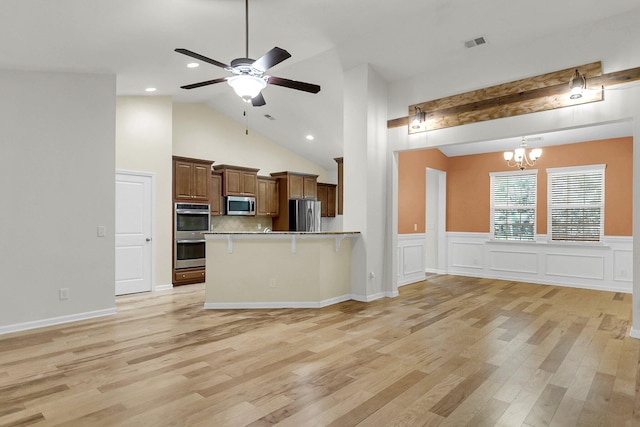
(449, 351)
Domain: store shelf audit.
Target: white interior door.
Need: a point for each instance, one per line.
(133, 233)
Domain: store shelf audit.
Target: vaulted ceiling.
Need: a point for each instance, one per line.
(135, 39)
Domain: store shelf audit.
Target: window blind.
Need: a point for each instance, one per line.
(513, 206)
(576, 205)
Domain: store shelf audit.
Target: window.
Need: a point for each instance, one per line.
(576, 203)
(513, 205)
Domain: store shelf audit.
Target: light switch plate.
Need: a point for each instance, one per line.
(101, 231)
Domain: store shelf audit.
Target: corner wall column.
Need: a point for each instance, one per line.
(366, 200)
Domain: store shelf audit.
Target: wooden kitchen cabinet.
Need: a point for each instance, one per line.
(298, 185)
(238, 181)
(292, 185)
(340, 162)
(188, 276)
(327, 196)
(215, 201)
(191, 179)
(267, 199)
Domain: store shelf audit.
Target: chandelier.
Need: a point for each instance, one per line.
(518, 158)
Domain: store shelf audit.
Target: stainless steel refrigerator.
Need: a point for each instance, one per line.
(304, 215)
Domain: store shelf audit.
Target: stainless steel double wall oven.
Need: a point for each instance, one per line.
(190, 220)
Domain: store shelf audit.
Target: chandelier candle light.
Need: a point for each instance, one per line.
(519, 156)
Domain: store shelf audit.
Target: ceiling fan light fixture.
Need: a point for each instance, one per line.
(247, 86)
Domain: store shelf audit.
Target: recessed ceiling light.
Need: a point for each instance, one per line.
(193, 65)
(150, 89)
(310, 137)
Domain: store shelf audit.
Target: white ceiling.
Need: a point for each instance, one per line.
(135, 39)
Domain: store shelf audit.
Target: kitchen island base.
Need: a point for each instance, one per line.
(277, 270)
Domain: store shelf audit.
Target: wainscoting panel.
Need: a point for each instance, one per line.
(467, 255)
(606, 266)
(623, 265)
(411, 258)
(575, 265)
(513, 261)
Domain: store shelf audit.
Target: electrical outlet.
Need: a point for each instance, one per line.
(64, 293)
(415, 227)
(272, 282)
(101, 231)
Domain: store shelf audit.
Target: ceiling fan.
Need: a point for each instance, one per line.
(249, 76)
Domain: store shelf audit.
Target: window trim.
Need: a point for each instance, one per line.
(492, 176)
(570, 170)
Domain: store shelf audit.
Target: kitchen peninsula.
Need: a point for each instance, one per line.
(277, 270)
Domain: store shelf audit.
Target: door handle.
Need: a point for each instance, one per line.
(148, 239)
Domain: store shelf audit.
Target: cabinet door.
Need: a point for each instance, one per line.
(262, 198)
(331, 201)
(274, 198)
(201, 179)
(232, 183)
(182, 172)
(296, 187)
(249, 183)
(309, 186)
(322, 198)
(216, 194)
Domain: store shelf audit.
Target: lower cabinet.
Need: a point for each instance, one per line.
(188, 276)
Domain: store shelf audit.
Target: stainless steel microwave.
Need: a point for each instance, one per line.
(236, 205)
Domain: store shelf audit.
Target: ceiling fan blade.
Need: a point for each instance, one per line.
(258, 100)
(207, 83)
(201, 58)
(271, 58)
(293, 84)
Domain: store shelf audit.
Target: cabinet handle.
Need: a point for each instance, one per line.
(184, 275)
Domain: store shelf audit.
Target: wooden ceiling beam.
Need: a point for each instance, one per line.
(539, 93)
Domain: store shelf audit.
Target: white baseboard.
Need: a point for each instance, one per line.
(634, 333)
(56, 321)
(373, 297)
(275, 304)
(158, 288)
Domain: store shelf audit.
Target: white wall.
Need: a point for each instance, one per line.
(366, 205)
(57, 143)
(143, 144)
(201, 132)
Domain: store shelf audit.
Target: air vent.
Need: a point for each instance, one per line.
(270, 117)
(475, 42)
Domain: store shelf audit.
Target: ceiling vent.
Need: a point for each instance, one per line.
(475, 42)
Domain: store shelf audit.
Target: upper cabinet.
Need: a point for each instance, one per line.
(216, 193)
(327, 196)
(191, 179)
(238, 181)
(267, 199)
(298, 185)
(339, 161)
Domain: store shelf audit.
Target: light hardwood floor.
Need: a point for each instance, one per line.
(450, 351)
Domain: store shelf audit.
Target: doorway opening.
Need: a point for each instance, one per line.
(436, 222)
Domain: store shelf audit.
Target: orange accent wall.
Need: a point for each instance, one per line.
(468, 194)
(412, 186)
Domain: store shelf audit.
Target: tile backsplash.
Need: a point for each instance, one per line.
(240, 223)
